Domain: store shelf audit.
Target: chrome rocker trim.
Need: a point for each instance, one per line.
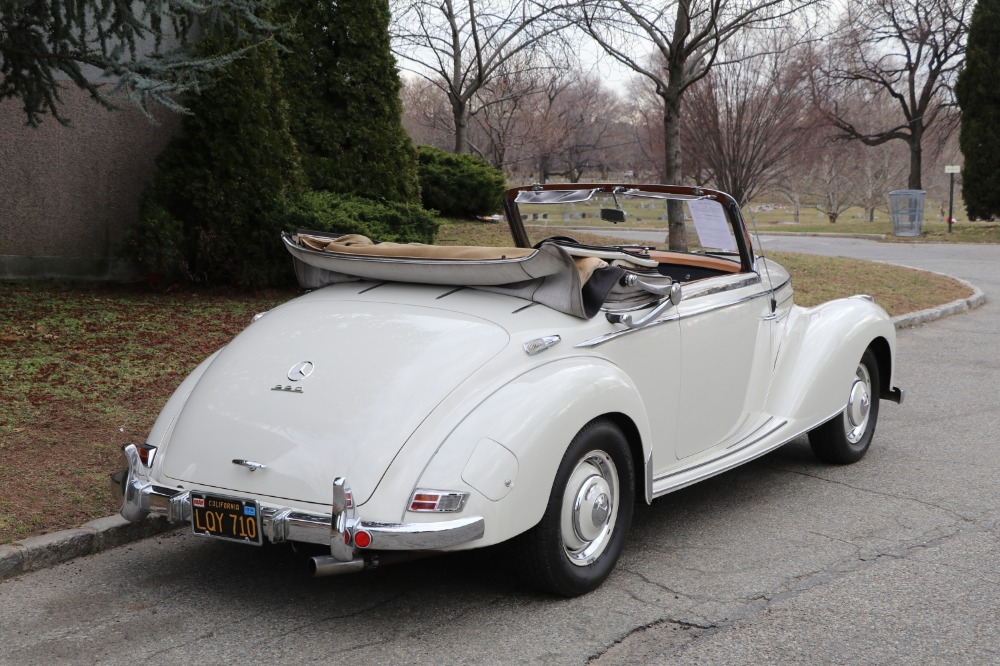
(139, 496)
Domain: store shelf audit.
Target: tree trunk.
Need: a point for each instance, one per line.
(832, 216)
(459, 110)
(916, 155)
(543, 169)
(673, 165)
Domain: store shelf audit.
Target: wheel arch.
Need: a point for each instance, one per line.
(564, 397)
(883, 355)
(818, 356)
(641, 461)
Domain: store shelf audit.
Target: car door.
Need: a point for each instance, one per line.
(725, 335)
(725, 366)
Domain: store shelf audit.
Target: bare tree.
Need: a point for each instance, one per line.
(880, 168)
(747, 117)
(574, 117)
(462, 45)
(907, 50)
(685, 36)
(834, 180)
(502, 114)
(426, 114)
(646, 113)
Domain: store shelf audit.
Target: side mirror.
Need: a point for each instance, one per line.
(614, 215)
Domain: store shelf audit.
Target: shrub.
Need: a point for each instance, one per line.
(206, 216)
(349, 214)
(459, 185)
(978, 93)
(341, 81)
(156, 242)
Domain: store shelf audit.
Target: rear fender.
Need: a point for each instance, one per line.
(820, 353)
(505, 453)
(159, 435)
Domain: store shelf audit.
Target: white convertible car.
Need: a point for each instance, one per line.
(429, 398)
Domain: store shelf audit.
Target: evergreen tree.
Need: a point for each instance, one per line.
(43, 39)
(210, 212)
(978, 93)
(343, 87)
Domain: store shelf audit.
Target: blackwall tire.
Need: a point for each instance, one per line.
(582, 533)
(846, 437)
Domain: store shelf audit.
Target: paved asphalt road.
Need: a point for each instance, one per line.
(786, 560)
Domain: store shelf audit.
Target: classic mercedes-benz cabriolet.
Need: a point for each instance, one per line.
(428, 398)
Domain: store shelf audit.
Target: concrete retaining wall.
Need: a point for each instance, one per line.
(67, 194)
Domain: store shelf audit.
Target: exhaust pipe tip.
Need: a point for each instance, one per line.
(327, 565)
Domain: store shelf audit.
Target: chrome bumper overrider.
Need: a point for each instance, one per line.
(337, 529)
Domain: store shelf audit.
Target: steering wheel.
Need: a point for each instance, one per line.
(557, 239)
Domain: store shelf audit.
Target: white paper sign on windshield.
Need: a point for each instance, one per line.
(712, 225)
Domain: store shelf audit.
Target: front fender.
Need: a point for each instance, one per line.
(519, 434)
(819, 355)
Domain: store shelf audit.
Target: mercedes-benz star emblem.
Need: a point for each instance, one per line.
(300, 371)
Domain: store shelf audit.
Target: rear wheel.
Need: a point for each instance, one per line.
(578, 541)
(846, 437)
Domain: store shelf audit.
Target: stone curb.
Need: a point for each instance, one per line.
(911, 319)
(50, 549)
(105, 533)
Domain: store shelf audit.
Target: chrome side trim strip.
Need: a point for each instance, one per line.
(731, 449)
(672, 481)
(697, 291)
(743, 443)
(607, 337)
(723, 306)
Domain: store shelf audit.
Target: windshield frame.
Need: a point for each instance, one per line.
(663, 192)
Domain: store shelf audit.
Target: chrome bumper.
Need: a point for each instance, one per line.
(337, 529)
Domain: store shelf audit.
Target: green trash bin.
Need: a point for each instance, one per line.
(906, 208)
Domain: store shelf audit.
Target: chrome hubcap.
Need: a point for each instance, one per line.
(858, 406)
(589, 508)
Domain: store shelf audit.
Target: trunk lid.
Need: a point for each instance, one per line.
(378, 369)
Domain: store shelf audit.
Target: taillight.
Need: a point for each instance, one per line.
(146, 454)
(439, 501)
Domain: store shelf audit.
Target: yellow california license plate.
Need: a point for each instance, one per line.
(230, 518)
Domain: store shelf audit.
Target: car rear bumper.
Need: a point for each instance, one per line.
(337, 529)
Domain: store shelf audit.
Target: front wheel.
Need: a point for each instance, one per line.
(846, 437)
(582, 533)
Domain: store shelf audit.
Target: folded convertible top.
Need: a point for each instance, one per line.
(549, 275)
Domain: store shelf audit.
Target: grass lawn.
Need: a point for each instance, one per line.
(932, 229)
(86, 367)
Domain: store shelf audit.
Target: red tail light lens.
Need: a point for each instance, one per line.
(439, 501)
(146, 454)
